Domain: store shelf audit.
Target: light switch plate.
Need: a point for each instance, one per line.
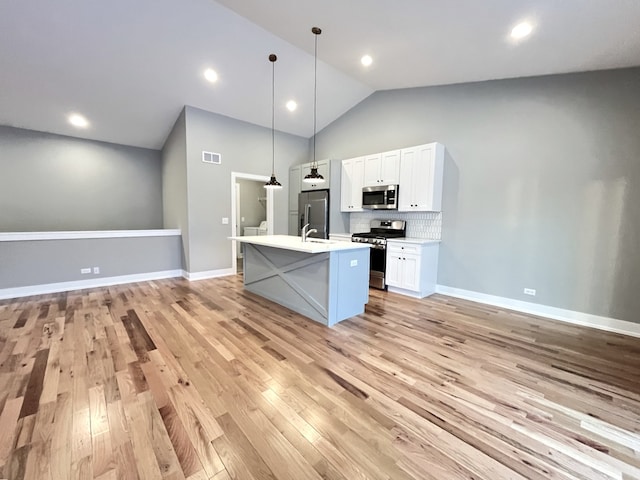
(354, 263)
(225, 221)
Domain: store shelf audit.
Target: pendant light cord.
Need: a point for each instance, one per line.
(273, 116)
(315, 99)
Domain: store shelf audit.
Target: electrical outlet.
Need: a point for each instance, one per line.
(96, 270)
(85, 270)
(354, 263)
(225, 221)
(530, 291)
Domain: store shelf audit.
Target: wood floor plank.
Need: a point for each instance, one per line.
(8, 425)
(173, 380)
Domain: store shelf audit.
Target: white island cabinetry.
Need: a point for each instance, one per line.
(412, 266)
(324, 280)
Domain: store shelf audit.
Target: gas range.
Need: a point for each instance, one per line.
(381, 230)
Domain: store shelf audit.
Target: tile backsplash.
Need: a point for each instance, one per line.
(419, 224)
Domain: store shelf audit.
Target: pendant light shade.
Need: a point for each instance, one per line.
(313, 176)
(273, 183)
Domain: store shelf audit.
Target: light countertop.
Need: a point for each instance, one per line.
(74, 235)
(289, 242)
(413, 240)
(418, 241)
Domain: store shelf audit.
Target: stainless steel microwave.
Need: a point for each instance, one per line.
(382, 197)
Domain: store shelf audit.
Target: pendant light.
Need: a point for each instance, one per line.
(273, 184)
(314, 176)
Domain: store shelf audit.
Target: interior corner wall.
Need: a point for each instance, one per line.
(245, 148)
(53, 183)
(174, 184)
(542, 182)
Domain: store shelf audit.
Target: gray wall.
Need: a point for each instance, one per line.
(51, 183)
(27, 263)
(251, 208)
(174, 182)
(245, 148)
(542, 182)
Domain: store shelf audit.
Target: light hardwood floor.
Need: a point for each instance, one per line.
(172, 380)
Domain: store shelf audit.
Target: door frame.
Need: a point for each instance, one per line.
(235, 176)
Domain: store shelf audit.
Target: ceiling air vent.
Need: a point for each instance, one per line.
(211, 157)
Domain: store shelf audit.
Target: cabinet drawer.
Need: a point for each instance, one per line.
(403, 248)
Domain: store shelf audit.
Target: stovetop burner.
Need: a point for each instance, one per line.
(381, 230)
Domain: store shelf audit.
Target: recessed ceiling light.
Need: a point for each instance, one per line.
(78, 120)
(521, 30)
(291, 105)
(366, 60)
(211, 75)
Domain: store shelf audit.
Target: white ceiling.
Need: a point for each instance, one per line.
(130, 66)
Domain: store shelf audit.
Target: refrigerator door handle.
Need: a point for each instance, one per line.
(307, 212)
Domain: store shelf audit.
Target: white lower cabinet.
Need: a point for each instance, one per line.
(412, 268)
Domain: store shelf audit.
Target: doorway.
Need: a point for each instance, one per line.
(251, 211)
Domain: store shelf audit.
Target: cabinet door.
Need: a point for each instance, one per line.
(420, 179)
(294, 187)
(410, 272)
(357, 182)
(346, 185)
(293, 223)
(324, 169)
(393, 272)
(390, 168)
(372, 170)
(424, 178)
(408, 180)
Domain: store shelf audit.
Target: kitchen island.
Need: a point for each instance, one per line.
(324, 280)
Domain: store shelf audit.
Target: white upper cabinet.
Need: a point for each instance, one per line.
(351, 184)
(421, 176)
(323, 169)
(382, 169)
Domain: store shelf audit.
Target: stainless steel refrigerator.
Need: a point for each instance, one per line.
(313, 208)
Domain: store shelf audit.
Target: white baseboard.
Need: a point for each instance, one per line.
(46, 288)
(577, 318)
(409, 293)
(223, 272)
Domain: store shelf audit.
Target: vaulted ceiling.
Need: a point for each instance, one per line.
(130, 66)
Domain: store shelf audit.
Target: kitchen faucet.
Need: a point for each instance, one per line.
(305, 233)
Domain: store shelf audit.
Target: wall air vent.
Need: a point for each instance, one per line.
(211, 157)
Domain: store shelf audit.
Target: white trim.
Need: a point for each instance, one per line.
(577, 318)
(46, 288)
(223, 272)
(72, 235)
(235, 176)
(407, 293)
